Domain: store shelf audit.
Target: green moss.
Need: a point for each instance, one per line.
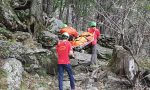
(43, 84)
(27, 65)
(23, 86)
(41, 72)
(6, 2)
(45, 40)
(4, 32)
(4, 50)
(22, 15)
(3, 80)
(109, 56)
(144, 63)
(2, 73)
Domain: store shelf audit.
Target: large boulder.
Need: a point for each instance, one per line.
(13, 74)
(104, 53)
(107, 41)
(47, 39)
(40, 61)
(81, 58)
(123, 63)
(32, 58)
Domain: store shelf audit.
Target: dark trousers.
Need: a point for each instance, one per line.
(61, 68)
(94, 55)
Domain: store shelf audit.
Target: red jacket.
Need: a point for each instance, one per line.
(63, 49)
(96, 33)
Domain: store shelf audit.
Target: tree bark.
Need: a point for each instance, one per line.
(44, 5)
(49, 8)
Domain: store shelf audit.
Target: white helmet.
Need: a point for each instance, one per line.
(65, 34)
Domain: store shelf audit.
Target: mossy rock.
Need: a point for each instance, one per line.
(5, 33)
(48, 61)
(41, 71)
(107, 41)
(144, 63)
(10, 49)
(4, 50)
(3, 79)
(2, 73)
(47, 39)
(8, 16)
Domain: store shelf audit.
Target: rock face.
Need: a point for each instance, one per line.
(13, 69)
(104, 53)
(35, 60)
(8, 17)
(82, 57)
(107, 41)
(47, 39)
(10, 49)
(5, 34)
(123, 63)
(55, 24)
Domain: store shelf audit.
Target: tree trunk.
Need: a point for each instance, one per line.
(123, 63)
(67, 15)
(61, 10)
(49, 7)
(45, 5)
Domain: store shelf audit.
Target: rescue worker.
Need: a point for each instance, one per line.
(70, 30)
(64, 49)
(96, 33)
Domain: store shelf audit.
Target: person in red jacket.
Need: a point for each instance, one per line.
(64, 49)
(96, 32)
